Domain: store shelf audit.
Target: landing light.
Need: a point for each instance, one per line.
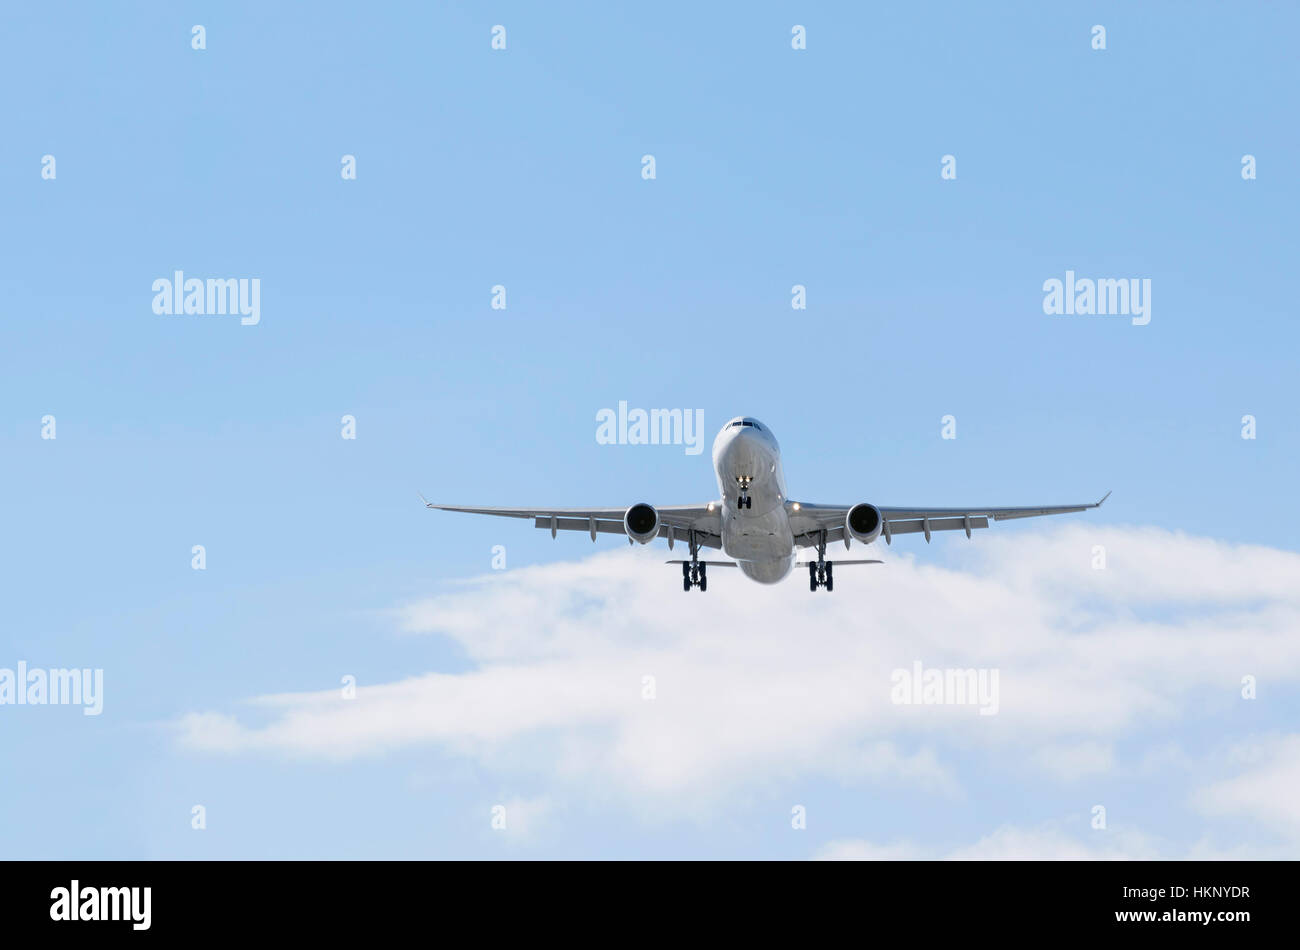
(795, 506)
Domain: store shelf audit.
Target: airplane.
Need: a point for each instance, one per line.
(756, 523)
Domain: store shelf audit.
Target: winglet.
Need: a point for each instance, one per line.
(425, 500)
(1103, 498)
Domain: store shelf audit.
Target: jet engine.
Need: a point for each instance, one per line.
(863, 523)
(641, 522)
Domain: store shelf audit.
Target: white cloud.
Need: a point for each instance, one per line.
(521, 818)
(757, 684)
(1008, 843)
(855, 849)
(1266, 788)
(1073, 760)
(1052, 844)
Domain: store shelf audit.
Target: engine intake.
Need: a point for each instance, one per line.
(863, 522)
(641, 522)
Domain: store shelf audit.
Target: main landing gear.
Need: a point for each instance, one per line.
(694, 574)
(821, 572)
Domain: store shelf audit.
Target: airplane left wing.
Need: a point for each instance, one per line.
(810, 521)
(676, 522)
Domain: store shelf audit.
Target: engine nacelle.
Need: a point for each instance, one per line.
(863, 522)
(641, 522)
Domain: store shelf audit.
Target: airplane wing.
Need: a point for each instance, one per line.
(810, 520)
(675, 521)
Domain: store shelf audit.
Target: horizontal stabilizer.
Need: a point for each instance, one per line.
(837, 563)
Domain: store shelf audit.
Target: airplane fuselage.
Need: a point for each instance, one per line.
(755, 520)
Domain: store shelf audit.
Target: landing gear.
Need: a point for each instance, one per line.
(820, 572)
(742, 498)
(694, 573)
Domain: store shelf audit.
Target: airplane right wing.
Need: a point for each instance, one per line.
(676, 522)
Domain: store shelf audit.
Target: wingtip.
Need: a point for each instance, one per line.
(425, 500)
(1103, 499)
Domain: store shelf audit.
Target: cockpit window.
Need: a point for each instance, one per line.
(745, 422)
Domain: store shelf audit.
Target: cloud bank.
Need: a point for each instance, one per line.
(603, 674)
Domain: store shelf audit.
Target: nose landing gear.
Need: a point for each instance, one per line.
(743, 500)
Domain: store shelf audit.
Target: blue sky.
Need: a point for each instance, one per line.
(522, 167)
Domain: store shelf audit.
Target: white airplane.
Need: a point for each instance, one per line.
(755, 521)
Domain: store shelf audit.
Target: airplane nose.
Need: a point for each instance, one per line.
(744, 454)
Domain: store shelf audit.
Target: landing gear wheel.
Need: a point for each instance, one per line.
(819, 575)
(693, 575)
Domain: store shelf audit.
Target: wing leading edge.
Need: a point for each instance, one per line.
(676, 522)
(810, 524)
(811, 521)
